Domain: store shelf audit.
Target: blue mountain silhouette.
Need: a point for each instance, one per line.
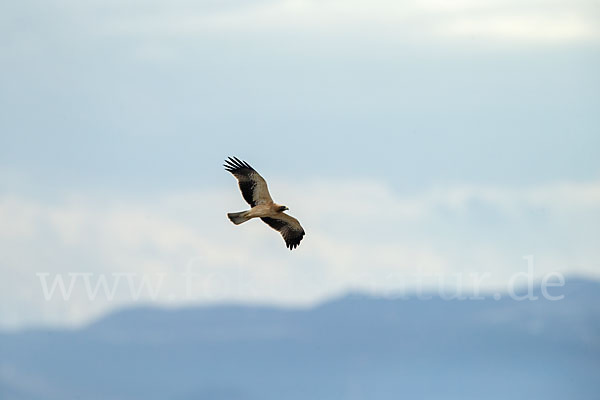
(353, 347)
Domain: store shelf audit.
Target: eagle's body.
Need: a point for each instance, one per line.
(256, 193)
(258, 211)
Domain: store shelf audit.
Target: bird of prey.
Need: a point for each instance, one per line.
(256, 193)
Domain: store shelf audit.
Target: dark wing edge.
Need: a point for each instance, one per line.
(246, 176)
(291, 231)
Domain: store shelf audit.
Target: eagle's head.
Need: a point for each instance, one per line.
(282, 208)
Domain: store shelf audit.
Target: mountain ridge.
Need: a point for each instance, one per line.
(352, 346)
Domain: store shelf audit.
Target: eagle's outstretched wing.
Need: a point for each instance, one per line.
(288, 226)
(253, 186)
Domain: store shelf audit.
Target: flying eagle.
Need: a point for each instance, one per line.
(256, 193)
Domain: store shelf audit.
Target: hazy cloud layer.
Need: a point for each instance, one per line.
(541, 20)
(361, 234)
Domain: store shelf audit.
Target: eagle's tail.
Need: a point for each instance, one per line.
(238, 217)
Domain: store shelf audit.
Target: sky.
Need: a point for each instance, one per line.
(424, 137)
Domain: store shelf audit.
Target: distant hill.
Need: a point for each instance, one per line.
(354, 347)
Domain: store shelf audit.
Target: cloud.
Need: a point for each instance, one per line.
(412, 21)
(531, 28)
(360, 234)
(542, 20)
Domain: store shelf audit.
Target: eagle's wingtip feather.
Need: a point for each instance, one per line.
(234, 163)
